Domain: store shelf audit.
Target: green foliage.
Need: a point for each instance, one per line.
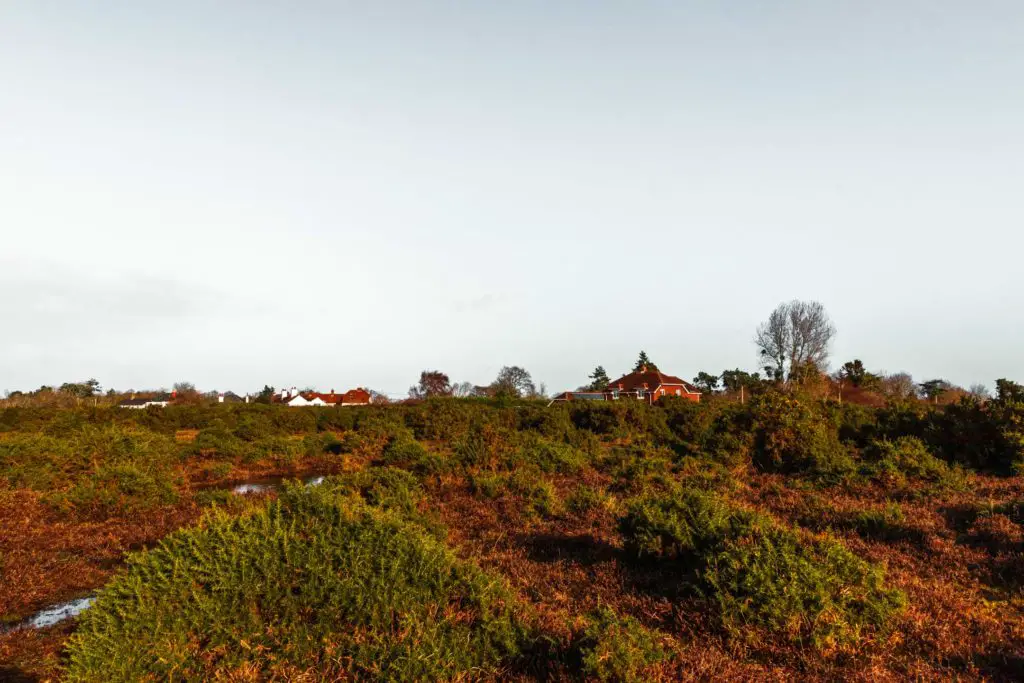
(894, 462)
(217, 442)
(538, 495)
(410, 454)
(706, 382)
(584, 499)
(383, 487)
(683, 522)
(549, 456)
(643, 361)
(312, 583)
(790, 437)
(599, 379)
(761, 574)
(805, 591)
(116, 489)
(618, 648)
(884, 522)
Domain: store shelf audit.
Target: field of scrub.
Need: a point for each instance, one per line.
(473, 539)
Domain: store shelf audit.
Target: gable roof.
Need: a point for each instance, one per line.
(653, 379)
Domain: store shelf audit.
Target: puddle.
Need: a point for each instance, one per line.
(56, 614)
(271, 484)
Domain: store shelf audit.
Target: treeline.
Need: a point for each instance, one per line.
(784, 431)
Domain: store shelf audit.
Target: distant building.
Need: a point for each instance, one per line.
(642, 385)
(295, 398)
(231, 397)
(159, 401)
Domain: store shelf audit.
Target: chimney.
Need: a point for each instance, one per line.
(645, 386)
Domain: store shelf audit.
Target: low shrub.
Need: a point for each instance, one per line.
(410, 454)
(683, 522)
(887, 521)
(548, 456)
(760, 574)
(790, 437)
(388, 488)
(907, 458)
(343, 591)
(585, 499)
(618, 648)
(117, 490)
(539, 495)
(803, 590)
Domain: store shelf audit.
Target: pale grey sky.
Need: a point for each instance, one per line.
(345, 193)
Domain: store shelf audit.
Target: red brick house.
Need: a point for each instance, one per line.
(352, 397)
(642, 385)
(651, 385)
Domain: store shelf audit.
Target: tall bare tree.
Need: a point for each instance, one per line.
(796, 335)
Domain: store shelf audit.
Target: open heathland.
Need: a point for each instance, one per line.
(461, 539)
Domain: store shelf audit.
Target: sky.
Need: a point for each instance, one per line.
(340, 194)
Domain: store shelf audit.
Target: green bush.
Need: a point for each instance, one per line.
(384, 487)
(617, 648)
(538, 494)
(805, 591)
(887, 521)
(549, 456)
(117, 489)
(790, 437)
(312, 584)
(282, 451)
(583, 499)
(760, 574)
(410, 454)
(683, 522)
(216, 442)
(894, 462)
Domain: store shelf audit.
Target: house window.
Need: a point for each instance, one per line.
(639, 393)
(678, 391)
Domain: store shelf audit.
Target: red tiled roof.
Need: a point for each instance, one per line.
(653, 379)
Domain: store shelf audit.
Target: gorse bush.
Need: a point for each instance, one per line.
(803, 590)
(907, 458)
(760, 574)
(387, 488)
(683, 522)
(584, 499)
(548, 456)
(883, 522)
(537, 494)
(313, 584)
(790, 437)
(410, 454)
(617, 648)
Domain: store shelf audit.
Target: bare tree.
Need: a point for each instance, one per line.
(980, 392)
(463, 390)
(796, 335)
(378, 398)
(899, 385)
